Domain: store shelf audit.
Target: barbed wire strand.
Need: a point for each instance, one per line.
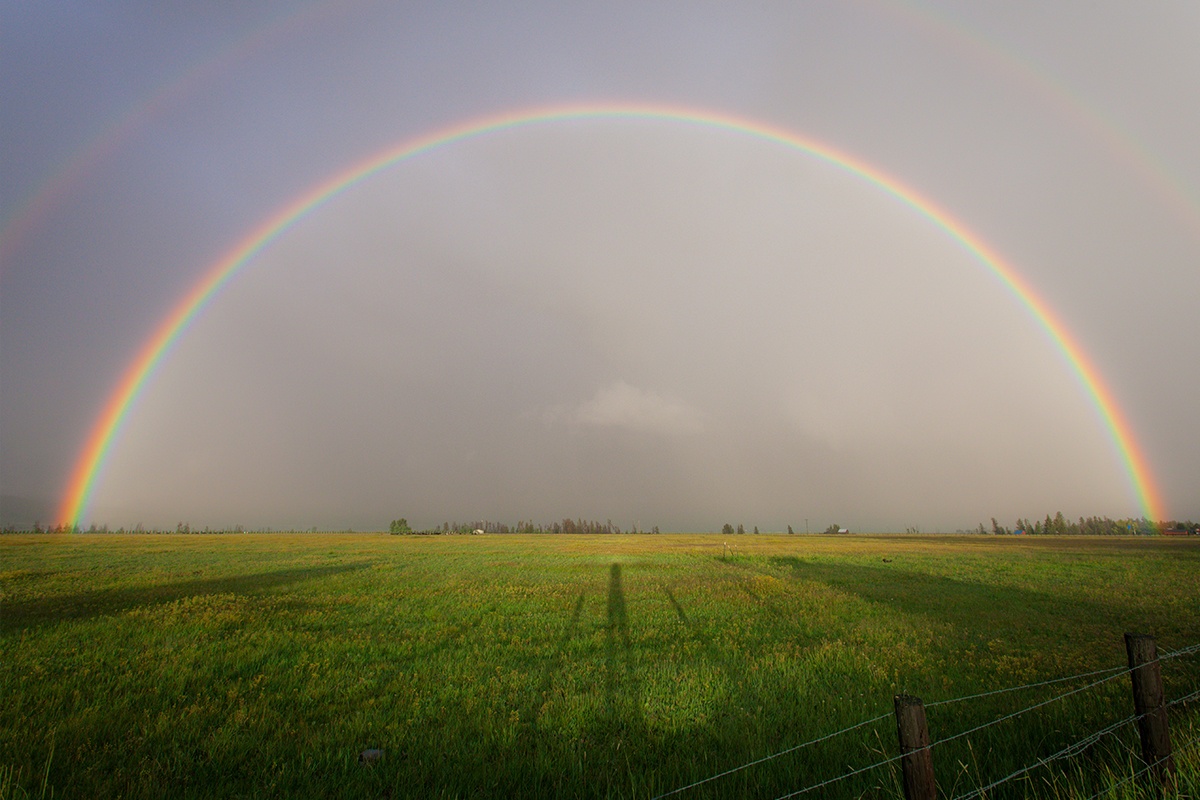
(1070, 750)
(883, 716)
(1087, 742)
(859, 771)
(1079, 747)
(792, 749)
(1183, 651)
(1185, 699)
(1110, 673)
(1128, 778)
(1023, 686)
(1027, 709)
(1141, 771)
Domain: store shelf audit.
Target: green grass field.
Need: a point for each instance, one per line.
(606, 666)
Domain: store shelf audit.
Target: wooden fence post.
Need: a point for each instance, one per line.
(1146, 673)
(917, 763)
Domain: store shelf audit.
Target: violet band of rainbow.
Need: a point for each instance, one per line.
(65, 180)
(951, 34)
(90, 462)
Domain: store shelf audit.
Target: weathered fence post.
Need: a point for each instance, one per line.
(917, 763)
(1146, 673)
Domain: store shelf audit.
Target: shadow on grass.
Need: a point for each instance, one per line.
(87, 605)
(987, 610)
(572, 626)
(683, 617)
(623, 690)
(558, 659)
(618, 617)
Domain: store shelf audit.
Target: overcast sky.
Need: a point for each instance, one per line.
(635, 320)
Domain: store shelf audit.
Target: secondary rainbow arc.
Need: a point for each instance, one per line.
(105, 431)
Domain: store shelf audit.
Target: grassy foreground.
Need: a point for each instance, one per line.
(605, 666)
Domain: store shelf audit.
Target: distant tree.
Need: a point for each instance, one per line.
(756, 530)
(399, 526)
(834, 528)
(982, 531)
(790, 531)
(727, 529)
(741, 528)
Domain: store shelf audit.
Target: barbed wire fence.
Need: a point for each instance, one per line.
(1154, 762)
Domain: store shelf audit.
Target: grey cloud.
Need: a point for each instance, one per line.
(712, 325)
(620, 405)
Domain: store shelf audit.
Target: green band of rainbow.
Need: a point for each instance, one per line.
(91, 460)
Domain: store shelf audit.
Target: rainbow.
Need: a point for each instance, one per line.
(1142, 164)
(90, 461)
(67, 179)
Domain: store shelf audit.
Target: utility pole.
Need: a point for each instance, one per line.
(806, 524)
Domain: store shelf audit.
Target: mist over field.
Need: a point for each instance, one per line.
(655, 322)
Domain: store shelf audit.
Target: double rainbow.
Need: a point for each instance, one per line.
(107, 427)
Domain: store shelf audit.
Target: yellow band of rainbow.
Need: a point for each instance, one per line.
(91, 460)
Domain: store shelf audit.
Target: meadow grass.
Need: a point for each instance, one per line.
(560, 666)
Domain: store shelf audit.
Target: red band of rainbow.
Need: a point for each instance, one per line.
(91, 460)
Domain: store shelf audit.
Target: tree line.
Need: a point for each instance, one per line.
(566, 525)
(182, 527)
(1058, 525)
